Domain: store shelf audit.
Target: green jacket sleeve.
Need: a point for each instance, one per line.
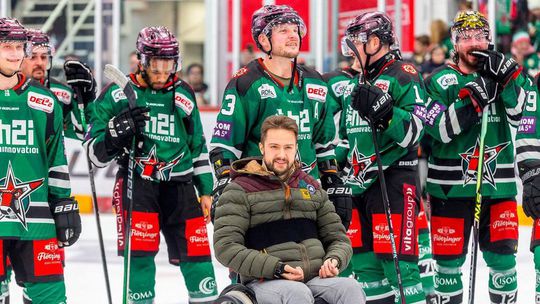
(58, 177)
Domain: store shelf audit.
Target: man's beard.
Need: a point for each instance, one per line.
(277, 172)
(287, 52)
(463, 58)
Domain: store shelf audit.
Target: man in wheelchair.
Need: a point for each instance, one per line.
(276, 228)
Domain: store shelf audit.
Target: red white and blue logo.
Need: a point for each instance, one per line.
(152, 168)
(469, 162)
(359, 166)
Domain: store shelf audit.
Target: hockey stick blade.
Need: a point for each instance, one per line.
(115, 75)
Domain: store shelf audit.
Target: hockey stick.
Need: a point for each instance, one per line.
(80, 105)
(477, 206)
(116, 76)
(384, 191)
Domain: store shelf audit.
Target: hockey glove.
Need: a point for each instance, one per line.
(482, 91)
(79, 76)
(531, 190)
(340, 195)
(373, 104)
(495, 65)
(122, 127)
(67, 220)
(216, 193)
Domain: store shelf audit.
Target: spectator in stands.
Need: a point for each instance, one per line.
(133, 62)
(421, 47)
(440, 35)
(523, 52)
(195, 78)
(436, 59)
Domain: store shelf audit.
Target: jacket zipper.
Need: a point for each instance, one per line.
(287, 207)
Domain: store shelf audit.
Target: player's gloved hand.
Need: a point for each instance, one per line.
(373, 104)
(531, 192)
(482, 91)
(221, 183)
(80, 78)
(67, 220)
(122, 127)
(339, 194)
(497, 66)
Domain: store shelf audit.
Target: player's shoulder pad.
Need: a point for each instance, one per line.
(308, 72)
(59, 83)
(39, 97)
(181, 85)
(184, 97)
(62, 91)
(327, 77)
(245, 77)
(442, 77)
(403, 72)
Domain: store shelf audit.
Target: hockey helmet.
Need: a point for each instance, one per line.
(268, 16)
(157, 42)
(469, 20)
(372, 23)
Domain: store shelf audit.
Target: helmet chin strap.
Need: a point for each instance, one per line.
(368, 56)
(13, 74)
(291, 83)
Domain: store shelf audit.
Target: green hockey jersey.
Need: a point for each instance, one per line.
(528, 134)
(254, 94)
(454, 128)
(399, 142)
(33, 166)
(174, 147)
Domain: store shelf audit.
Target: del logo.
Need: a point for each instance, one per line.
(40, 102)
(359, 166)
(183, 102)
(339, 87)
(267, 91)
(447, 80)
(15, 197)
(383, 84)
(63, 95)
(118, 95)
(317, 92)
(469, 163)
(152, 168)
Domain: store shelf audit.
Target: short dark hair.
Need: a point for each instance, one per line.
(195, 65)
(423, 39)
(278, 122)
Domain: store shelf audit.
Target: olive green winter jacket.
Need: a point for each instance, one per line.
(260, 221)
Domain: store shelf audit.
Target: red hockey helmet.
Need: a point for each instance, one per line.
(156, 42)
(268, 16)
(372, 23)
(39, 39)
(11, 30)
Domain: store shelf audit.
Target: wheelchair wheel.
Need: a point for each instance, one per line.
(236, 294)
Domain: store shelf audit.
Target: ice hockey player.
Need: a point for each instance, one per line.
(391, 98)
(337, 82)
(37, 214)
(528, 160)
(458, 92)
(273, 85)
(78, 74)
(172, 161)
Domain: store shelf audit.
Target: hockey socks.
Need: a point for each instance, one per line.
(502, 277)
(370, 274)
(4, 292)
(426, 264)
(142, 279)
(200, 281)
(410, 275)
(47, 293)
(537, 268)
(448, 285)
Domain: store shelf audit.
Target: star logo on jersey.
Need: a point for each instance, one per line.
(308, 167)
(151, 167)
(359, 165)
(14, 196)
(470, 158)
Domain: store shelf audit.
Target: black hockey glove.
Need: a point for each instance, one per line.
(531, 190)
(373, 104)
(216, 193)
(80, 78)
(67, 220)
(497, 66)
(122, 127)
(482, 91)
(340, 195)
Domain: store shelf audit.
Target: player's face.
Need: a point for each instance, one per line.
(11, 56)
(159, 71)
(371, 47)
(469, 41)
(36, 66)
(279, 150)
(285, 40)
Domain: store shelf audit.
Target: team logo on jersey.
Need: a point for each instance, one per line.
(63, 95)
(240, 72)
(409, 68)
(152, 168)
(40, 102)
(267, 91)
(317, 92)
(469, 162)
(359, 166)
(184, 103)
(383, 84)
(307, 168)
(339, 87)
(14, 196)
(119, 94)
(445, 81)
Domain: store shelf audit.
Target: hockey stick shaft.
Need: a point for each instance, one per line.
(384, 190)
(477, 205)
(116, 76)
(80, 105)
